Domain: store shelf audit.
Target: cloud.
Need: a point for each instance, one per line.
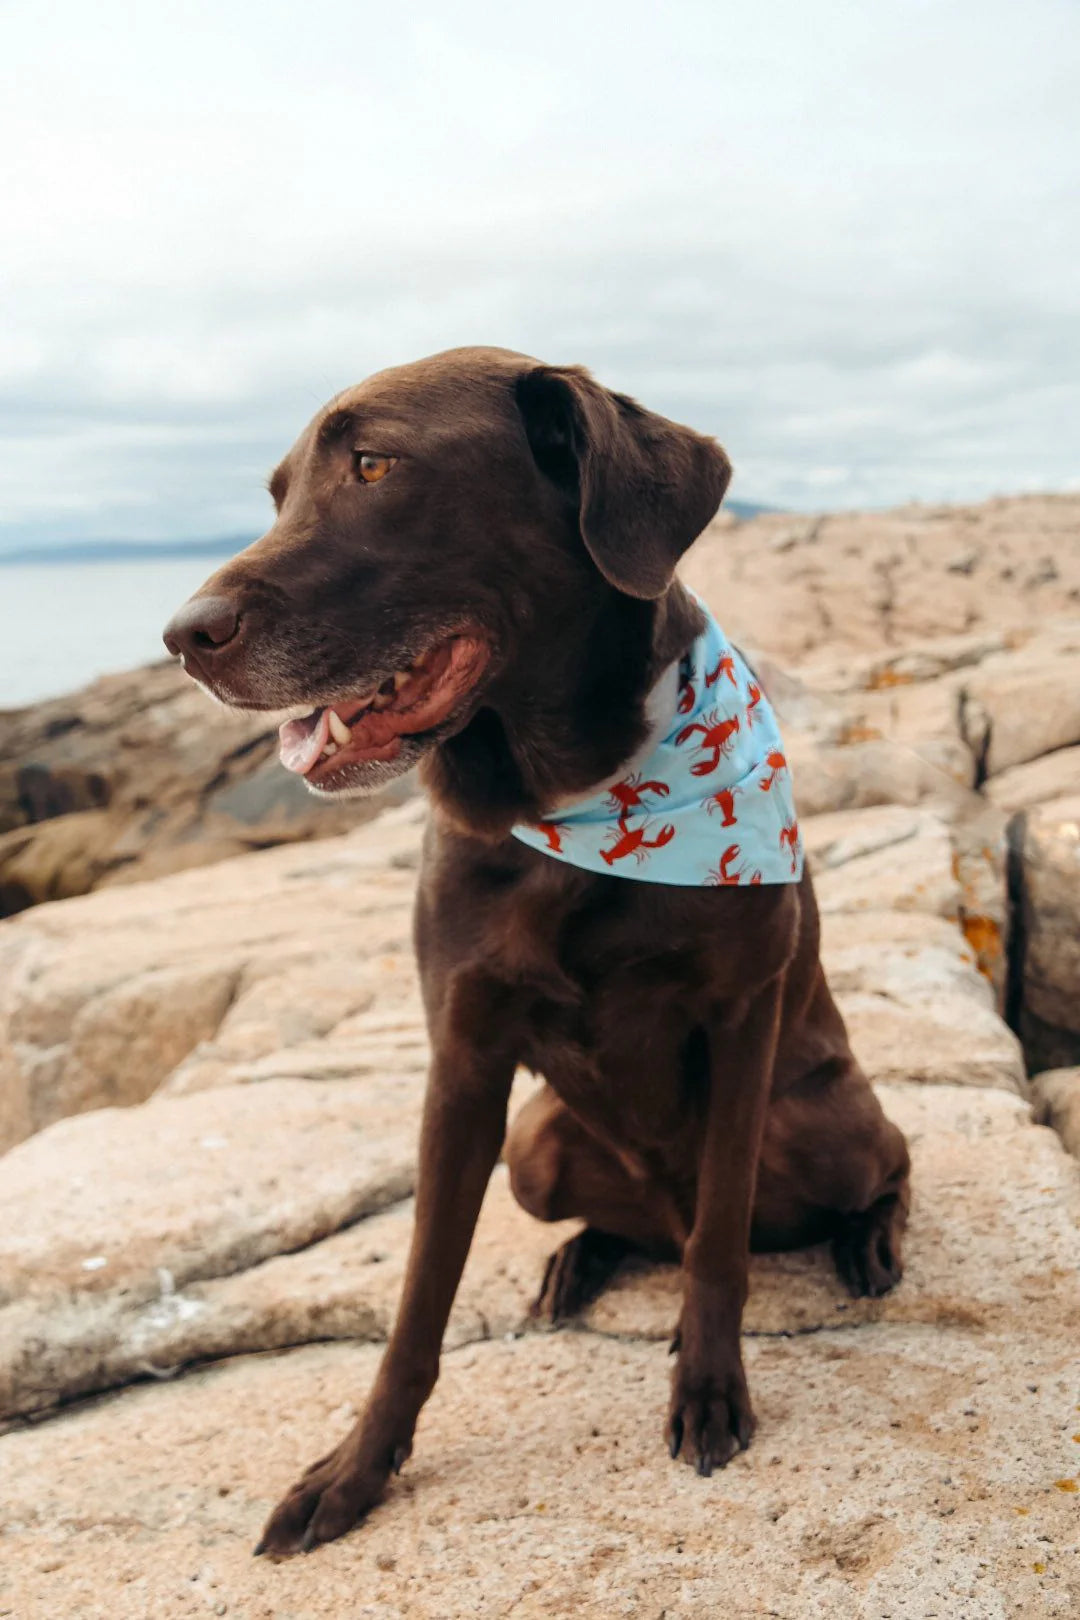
(842, 238)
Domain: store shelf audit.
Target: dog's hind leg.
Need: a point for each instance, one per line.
(833, 1166)
(560, 1171)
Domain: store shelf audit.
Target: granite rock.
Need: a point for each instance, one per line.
(1046, 841)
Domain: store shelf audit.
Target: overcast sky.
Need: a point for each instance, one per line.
(845, 238)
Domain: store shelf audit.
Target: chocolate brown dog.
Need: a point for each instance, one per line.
(472, 567)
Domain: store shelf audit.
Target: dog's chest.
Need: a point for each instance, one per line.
(614, 1036)
(603, 987)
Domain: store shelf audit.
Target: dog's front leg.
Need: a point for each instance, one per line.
(462, 1132)
(710, 1413)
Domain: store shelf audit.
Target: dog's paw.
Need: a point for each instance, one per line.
(710, 1417)
(577, 1273)
(867, 1251)
(329, 1499)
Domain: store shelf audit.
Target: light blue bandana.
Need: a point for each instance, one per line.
(708, 799)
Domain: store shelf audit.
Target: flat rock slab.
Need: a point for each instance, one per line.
(1049, 850)
(908, 956)
(950, 1041)
(856, 770)
(873, 584)
(106, 1219)
(890, 857)
(1032, 704)
(916, 1005)
(1055, 776)
(896, 1472)
(105, 997)
(1055, 1101)
(270, 1266)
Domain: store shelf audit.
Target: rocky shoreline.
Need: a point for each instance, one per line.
(136, 776)
(209, 1085)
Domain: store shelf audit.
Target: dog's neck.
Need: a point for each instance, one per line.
(552, 734)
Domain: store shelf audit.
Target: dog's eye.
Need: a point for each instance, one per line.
(372, 468)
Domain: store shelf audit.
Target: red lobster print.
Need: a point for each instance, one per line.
(776, 763)
(790, 837)
(725, 801)
(552, 831)
(724, 877)
(629, 794)
(632, 841)
(725, 666)
(751, 707)
(686, 699)
(716, 739)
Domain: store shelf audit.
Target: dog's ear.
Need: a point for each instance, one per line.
(645, 487)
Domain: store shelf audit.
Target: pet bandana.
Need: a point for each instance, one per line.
(706, 801)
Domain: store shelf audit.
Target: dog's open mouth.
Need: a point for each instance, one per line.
(369, 727)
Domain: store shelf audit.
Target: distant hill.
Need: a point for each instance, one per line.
(227, 546)
(124, 550)
(747, 509)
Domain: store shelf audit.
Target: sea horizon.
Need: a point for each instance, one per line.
(80, 551)
(64, 621)
(106, 549)
(73, 610)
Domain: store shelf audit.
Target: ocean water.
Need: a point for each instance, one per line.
(63, 623)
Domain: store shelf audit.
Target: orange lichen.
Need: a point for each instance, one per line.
(984, 936)
(1069, 1485)
(888, 677)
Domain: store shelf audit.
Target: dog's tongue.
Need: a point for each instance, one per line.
(302, 741)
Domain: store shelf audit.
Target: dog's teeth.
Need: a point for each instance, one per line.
(330, 748)
(401, 678)
(338, 729)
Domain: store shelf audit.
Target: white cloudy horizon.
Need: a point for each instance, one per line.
(841, 238)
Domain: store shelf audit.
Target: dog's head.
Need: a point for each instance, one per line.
(444, 532)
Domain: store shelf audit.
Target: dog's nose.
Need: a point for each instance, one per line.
(202, 626)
